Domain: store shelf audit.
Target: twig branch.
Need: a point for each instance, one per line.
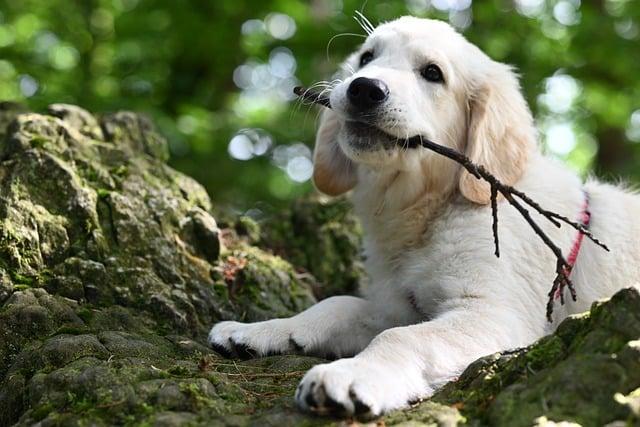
(310, 95)
(519, 200)
(494, 213)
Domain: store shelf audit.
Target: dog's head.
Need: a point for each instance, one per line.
(420, 77)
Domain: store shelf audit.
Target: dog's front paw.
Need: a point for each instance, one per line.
(356, 387)
(226, 338)
(248, 340)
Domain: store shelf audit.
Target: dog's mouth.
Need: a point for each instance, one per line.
(362, 130)
(367, 136)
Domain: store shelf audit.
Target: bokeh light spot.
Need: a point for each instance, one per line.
(530, 8)
(561, 90)
(633, 130)
(280, 26)
(560, 138)
(63, 57)
(28, 85)
(6, 36)
(566, 12)
(300, 168)
(240, 147)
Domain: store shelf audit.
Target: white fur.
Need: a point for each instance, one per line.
(439, 298)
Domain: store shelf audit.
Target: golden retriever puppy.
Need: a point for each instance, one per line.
(438, 298)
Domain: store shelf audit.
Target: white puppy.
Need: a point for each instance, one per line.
(439, 298)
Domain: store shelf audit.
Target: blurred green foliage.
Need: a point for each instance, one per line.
(216, 75)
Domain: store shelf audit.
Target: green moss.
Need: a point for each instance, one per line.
(103, 193)
(260, 285)
(70, 330)
(85, 313)
(323, 238)
(23, 281)
(198, 396)
(41, 411)
(246, 226)
(548, 351)
(38, 141)
(179, 371)
(120, 171)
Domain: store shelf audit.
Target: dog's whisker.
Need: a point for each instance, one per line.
(364, 22)
(363, 25)
(299, 103)
(351, 71)
(338, 36)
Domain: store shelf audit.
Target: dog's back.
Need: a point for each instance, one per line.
(615, 213)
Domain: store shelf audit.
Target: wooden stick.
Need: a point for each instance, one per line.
(310, 95)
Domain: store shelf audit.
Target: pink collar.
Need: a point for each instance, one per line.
(585, 220)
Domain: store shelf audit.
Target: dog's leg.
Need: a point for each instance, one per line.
(405, 364)
(335, 327)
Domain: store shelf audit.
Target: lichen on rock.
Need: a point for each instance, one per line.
(113, 268)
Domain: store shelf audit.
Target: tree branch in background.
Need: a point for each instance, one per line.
(519, 200)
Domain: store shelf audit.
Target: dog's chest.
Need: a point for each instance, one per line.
(440, 268)
(411, 283)
(422, 287)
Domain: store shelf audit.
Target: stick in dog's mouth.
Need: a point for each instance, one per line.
(516, 198)
(312, 96)
(320, 99)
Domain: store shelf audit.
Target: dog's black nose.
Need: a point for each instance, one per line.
(365, 94)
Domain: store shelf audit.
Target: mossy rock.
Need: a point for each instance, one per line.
(106, 221)
(113, 268)
(105, 254)
(322, 237)
(580, 374)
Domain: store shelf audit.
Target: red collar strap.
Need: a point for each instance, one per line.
(584, 220)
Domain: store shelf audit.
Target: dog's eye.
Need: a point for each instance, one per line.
(432, 73)
(366, 58)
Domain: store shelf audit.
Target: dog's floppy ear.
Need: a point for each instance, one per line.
(333, 172)
(500, 135)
